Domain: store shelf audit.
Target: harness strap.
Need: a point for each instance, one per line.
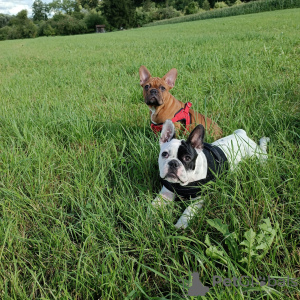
(182, 115)
(156, 128)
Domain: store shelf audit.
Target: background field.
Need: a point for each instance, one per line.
(78, 161)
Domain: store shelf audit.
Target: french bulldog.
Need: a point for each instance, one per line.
(163, 105)
(185, 165)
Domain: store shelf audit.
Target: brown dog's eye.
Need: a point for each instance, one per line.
(162, 88)
(147, 87)
(165, 154)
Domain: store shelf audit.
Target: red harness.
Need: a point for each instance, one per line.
(182, 115)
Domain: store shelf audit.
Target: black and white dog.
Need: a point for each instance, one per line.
(185, 165)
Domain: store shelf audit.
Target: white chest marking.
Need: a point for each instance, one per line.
(152, 109)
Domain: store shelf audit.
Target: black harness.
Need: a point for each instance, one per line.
(217, 164)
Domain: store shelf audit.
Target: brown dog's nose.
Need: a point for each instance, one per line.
(153, 92)
(173, 164)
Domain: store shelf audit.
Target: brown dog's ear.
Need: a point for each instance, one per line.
(144, 75)
(167, 132)
(196, 137)
(170, 77)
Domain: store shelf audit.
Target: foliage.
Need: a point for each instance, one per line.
(255, 245)
(66, 25)
(148, 6)
(206, 5)
(230, 2)
(200, 2)
(4, 19)
(229, 237)
(40, 10)
(5, 33)
(144, 15)
(181, 4)
(221, 4)
(246, 8)
(93, 18)
(191, 8)
(58, 17)
(212, 2)
(238, 2)
(78, 15)
(165, 13)
(19, 27)
(89, 4)
(119, 13)
(45, 29)
(64, 6)
(60, 24)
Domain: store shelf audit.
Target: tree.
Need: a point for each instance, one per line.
(212, 2)
(21, 26)
(19, 19)
(181, 4)
(89, 4)
(221, 4)
(66, 6)
(93, 18)
(200, 2)
(39, 10)
(4, 19)
(206, 5)
(119, 13)
(238, 2)
(229, 2)
(191, 8)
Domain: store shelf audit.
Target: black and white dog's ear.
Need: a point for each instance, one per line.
(196, 137)
(167, 132)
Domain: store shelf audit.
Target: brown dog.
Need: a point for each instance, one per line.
(165, 106)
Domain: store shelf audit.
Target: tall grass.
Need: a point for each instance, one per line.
(242, 9)
(78, 162)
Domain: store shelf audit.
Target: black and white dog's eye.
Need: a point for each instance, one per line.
(147, 87)
(187, 158)
(162, 88)
(165, 154)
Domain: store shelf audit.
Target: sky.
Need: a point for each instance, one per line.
(14, 6)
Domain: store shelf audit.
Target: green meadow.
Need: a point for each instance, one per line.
(78, 163)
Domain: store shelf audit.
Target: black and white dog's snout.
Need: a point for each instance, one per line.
(173, 164)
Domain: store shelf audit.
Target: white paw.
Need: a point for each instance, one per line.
(182, 223)
(188, 214)
(158, 201)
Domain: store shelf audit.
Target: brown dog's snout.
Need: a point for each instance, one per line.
(174, 164)
(153, 92)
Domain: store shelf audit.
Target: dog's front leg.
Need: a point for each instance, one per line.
(189, 213)
(163, 197)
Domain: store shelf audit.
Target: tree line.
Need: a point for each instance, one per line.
(64, 17)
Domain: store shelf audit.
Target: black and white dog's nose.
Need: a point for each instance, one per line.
(173, 164)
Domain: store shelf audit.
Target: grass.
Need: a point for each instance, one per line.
(78, 162)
